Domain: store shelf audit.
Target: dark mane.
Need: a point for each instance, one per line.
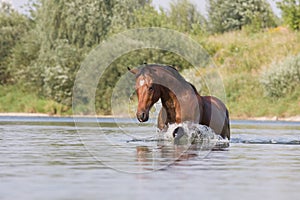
(171, 67)
(160, 65)
(166, 68)
(195, 90)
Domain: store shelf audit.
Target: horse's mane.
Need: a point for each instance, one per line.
(194, 88)
(168, 69)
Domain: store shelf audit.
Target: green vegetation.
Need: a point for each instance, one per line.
(242, 60)
(12, 28)
(290, 13)
(41, 53)
(233, 15)
(15, 99)
(282, 79)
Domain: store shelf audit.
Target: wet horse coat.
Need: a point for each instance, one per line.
(180, 100)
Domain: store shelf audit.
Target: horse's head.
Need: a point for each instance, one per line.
(148, 94)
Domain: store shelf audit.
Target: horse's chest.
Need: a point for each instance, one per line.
(171, 111)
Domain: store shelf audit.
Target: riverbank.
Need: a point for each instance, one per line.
(239, 61)
(16, 114)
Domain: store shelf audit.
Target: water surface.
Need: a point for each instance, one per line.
(54, 158)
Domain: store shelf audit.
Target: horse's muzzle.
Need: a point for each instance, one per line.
(142, 116)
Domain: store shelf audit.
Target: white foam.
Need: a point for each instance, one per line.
(196, 133)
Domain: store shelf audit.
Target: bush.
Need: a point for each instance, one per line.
(233, 15)
(55, 70)
(290, 13)
(282, 78)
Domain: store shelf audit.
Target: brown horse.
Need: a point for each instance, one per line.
(180, 100)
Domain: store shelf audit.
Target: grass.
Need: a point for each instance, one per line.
(14, 99)
(241, 58)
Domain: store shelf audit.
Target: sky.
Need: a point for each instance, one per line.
(201, 4)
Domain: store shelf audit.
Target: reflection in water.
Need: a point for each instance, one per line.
(179, 143)
(168, 154)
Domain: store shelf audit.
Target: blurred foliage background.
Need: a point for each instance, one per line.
(255, 51)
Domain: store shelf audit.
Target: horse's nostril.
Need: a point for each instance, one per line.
(142, 117)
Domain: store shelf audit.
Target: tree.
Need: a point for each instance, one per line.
(234, 14)
(65, 31)
(47, 58)
(13, 26)
(290, 13)
(150, 17)
(185, 17)
(124, 13)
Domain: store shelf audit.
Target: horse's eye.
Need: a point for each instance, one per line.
(150, 88)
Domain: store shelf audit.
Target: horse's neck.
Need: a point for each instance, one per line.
(170, 104)
(183, 109)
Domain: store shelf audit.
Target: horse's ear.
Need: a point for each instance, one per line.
(134, 71)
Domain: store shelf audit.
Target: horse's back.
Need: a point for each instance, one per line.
(215, 115)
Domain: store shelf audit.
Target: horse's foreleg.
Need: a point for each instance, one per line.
(162, 119)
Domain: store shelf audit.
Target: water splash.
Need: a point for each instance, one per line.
(262, 139)
(191, 133)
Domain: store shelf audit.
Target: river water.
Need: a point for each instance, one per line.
(89, 158)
